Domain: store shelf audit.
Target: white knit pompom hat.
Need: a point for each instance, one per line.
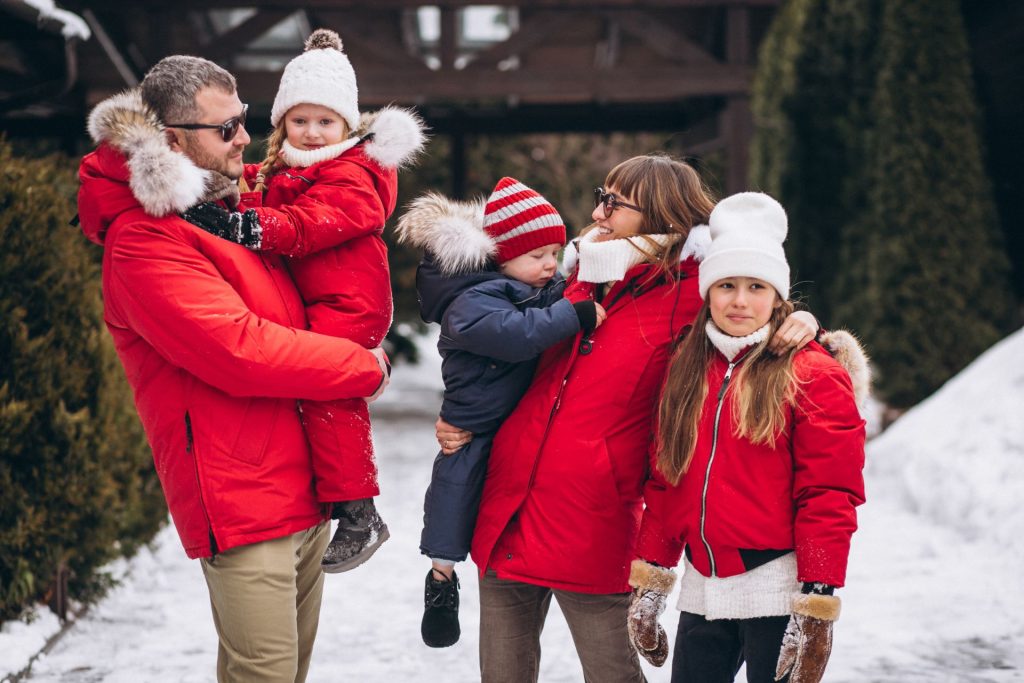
(747, 232)
(320, 75)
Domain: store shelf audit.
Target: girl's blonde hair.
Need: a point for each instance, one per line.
(672, 198)
(763, 390)
(273, 161)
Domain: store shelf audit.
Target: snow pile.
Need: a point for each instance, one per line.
(958, 457)
(19, 640)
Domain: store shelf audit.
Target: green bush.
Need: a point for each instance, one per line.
(77, 486)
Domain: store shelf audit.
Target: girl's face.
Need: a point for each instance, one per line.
(311, 126)
(535, 268)
(742, 305)
(622, 222)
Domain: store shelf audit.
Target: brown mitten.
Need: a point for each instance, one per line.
(651, 586)
(808, 640)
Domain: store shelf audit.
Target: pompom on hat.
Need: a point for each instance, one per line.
(747, 232)
(320, 75)
(520, 220)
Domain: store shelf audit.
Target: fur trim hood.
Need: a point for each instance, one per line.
(162, 180)
(396, 136)
(849, 353)
(452, 231)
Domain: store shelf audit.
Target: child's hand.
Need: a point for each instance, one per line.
(450, 437)
(601, 314)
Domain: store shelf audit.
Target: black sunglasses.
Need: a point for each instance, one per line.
(228, 129)
(610, 201)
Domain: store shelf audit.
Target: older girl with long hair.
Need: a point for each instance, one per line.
(756, 471)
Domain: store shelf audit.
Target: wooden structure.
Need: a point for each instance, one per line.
(570, 65)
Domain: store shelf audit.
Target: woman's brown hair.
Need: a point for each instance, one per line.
(672, 198)
(763, 389)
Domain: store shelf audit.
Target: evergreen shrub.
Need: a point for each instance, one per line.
(77, 485)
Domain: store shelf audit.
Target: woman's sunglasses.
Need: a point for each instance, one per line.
(228, 129)
(610, 202)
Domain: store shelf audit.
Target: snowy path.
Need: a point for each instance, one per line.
(922, 603)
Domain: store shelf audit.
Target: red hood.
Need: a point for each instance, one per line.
(104, 193)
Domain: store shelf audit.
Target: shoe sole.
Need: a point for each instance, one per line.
(358, 559)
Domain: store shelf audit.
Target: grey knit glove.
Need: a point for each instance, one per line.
(240, 228)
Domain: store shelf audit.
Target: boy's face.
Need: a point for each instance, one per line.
(535, 268)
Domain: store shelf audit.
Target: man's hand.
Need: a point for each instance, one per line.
(808, 641)
(385, 367)
(796, 332)
(240, 228)
(449, 437)
(651, 586)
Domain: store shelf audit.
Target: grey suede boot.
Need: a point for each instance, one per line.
(360, 532)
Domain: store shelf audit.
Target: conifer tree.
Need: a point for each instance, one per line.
(77, 485)
(811, 98)
(924, 270)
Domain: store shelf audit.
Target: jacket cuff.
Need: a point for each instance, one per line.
(824, 607)
(645, 576)
(586, 311)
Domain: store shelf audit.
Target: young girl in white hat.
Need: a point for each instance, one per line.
(756, 472)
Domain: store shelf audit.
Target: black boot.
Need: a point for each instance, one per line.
(440, 627)
(360, 532)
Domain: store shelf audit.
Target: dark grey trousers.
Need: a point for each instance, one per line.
(512, 617)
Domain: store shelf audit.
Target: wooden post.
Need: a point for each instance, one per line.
(458, 152)
(737, 123)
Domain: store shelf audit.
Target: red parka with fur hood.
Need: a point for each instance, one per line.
(563, 496)
(212, 339)
(740, 504)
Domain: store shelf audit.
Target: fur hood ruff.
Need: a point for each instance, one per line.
(166, 182)
(849, 353)
(453, 232)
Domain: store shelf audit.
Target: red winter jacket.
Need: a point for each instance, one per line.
(738, 498)
(210, 336)
(562, 500)
(329, 217)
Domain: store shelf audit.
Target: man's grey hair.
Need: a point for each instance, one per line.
(170, 87)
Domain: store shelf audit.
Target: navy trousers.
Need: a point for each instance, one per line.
(453, 499)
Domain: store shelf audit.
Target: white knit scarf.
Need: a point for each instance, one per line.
(731, 346)
(609, 261)
(301, 158)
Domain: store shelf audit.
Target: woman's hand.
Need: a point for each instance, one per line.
(796, 332)
(385, 367)
(450, 437)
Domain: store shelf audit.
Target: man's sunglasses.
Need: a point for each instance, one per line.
(610, 202)
(228, 129)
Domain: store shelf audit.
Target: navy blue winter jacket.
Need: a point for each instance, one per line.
(493, 330)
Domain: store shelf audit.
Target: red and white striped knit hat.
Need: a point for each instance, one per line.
(519, 220)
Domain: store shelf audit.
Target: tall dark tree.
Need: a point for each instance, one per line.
(924, 269)
(811, 105)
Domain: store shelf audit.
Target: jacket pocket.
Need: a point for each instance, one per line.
(254, 431)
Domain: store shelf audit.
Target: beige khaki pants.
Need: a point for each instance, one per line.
(266, 606)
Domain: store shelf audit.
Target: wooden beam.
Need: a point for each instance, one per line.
(393, 4)
(221, 48)
(662, 39)
(606, 52)
(532, 31)
(620, 84)
(368, 39)
(448, 49)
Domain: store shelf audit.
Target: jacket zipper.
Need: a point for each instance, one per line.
(190, 449)
(711, 460)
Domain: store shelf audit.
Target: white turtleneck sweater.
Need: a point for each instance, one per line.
(765, 591)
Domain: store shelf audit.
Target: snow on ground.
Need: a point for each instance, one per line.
(934, 589)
